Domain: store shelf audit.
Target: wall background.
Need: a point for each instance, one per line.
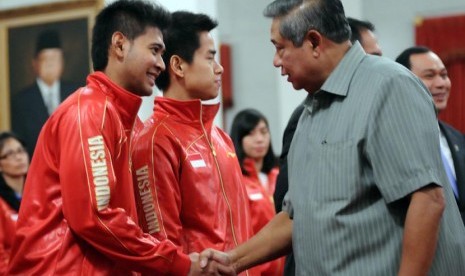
(256, 83)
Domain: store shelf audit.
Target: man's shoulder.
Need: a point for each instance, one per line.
(87, 101)
(379, 75)
(451, 132)
(27, 91)
(162, 129)
(383, 67)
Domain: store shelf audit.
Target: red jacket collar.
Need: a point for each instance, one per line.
(126, 103)
(249, 166)
(192, 111)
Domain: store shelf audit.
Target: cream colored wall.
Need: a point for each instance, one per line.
(256, 82)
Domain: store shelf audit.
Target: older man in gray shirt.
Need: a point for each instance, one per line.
(367, 189)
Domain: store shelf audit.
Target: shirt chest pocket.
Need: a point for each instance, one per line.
(336, 168)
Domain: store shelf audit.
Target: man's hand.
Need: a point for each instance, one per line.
(210, 262)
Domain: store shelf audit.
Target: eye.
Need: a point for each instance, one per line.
(156, 50)
(279, 48)
(428, 76)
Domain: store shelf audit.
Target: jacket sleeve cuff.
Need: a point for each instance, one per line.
(181, 264)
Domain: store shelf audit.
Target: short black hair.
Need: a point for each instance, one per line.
(128, 17)
(357, 26)
(182, 38)
(244, 122)
(6, 135)
(404, 57)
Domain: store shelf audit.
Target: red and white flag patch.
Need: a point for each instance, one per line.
(196, 160)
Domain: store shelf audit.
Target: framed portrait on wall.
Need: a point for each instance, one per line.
(26, 36)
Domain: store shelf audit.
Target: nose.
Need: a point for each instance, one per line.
(160, 64)
(276, 60)
(259, 138)
(440, 81)
(218, 68)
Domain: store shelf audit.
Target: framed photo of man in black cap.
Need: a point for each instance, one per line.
(44, 57)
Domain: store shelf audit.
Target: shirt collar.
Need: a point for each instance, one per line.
(45, 89)
(339, 80)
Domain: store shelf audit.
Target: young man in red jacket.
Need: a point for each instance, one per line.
(78, 213)
(186, 174)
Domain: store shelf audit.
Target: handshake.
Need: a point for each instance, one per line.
(211, 262)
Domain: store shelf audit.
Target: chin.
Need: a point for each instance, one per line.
(145, 92)
(209, 97)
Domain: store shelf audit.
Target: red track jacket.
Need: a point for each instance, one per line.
(188, 180)
(78, 214)
(7, 232)
(262, 209)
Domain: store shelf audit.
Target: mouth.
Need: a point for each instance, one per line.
(21, 167)
(152, 76)
(260, 149)
(439, 96)
(284, 74)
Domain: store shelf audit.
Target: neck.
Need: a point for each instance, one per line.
(258, 164)
(114, 74)
(331, 54)
(176, 92)
(15, 183)
(335, 54)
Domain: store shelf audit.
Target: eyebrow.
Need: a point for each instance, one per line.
(212, 52)
(431, 70)
(160, 45)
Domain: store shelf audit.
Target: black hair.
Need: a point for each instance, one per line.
(244, 122)
(357, 26)
(6, 192)
(47, 39)
(404, 57)
(128, 17)
(182, 38)
(6, 135)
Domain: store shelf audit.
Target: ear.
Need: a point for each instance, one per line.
(177, 65)
(315, 39)
(118, 44)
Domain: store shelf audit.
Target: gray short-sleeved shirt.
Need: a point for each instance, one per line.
(364, 142)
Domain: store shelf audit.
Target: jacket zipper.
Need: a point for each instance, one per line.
(219, 173)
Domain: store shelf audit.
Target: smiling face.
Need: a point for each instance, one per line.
(257, 142)
(299, 64)
(430, 69)
(14, 160)
(202, 77)
(143, 62)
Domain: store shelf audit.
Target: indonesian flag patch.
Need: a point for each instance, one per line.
(196, 160)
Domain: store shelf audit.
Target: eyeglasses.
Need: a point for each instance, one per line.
(11, 154)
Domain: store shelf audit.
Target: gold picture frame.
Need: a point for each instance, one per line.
(19, 27)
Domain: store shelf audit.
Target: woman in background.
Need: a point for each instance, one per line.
(251, 137)
(14, 163)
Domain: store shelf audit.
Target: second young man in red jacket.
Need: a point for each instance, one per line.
(186, 174)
